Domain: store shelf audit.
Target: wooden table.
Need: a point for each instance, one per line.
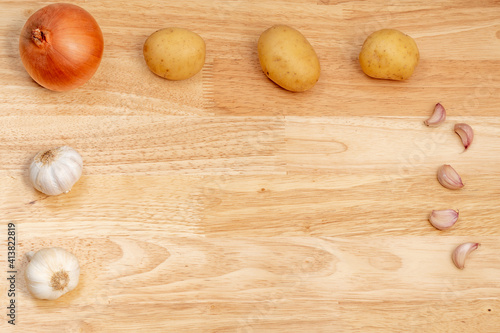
(224, 203)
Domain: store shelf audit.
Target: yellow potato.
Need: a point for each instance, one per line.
(174, 53)
(287, 58)
(389, 54)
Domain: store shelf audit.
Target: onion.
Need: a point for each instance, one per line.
(61, 46)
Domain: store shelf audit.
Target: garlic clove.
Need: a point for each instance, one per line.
(55, 171)
(51, 273)
(466, 134)
(449, 178)
(443, 219)
(462, 252)
(438, 116)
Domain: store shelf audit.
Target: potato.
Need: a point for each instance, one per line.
(287, 58)
(174, 53)
(389, 54)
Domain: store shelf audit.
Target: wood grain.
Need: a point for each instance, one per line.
(225, 204)
(246, 284)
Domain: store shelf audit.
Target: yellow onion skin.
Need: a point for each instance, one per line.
(61, 46)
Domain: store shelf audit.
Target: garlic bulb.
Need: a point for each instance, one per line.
(51, 273)
(55, 171)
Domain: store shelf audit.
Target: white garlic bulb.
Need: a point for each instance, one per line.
(51, 273)
(55, 171)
